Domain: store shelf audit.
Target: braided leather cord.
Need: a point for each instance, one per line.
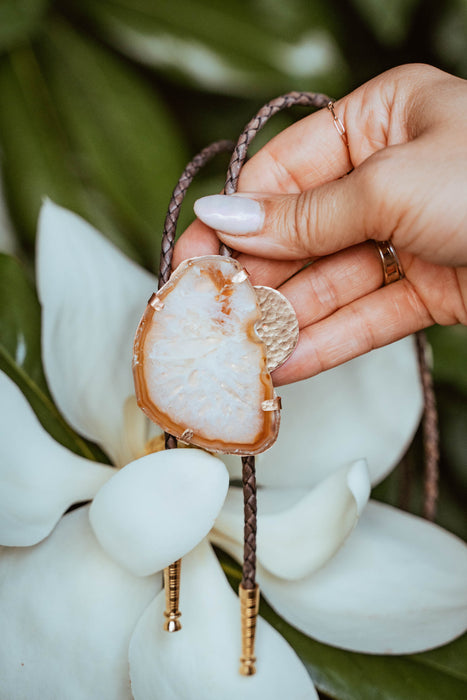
(308, 99)
(178, 195)
(171, 219)
(430, 429)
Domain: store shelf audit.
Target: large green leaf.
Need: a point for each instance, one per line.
(450, 34)
(389, 20)
(123, 139)
(36, 156)
(20, 354)
(79, 126)
(345, 675)
(240, 48)
(19, 19)
(449, 344)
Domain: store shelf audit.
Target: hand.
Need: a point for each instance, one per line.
(407, 133)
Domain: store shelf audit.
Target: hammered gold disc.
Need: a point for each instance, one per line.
(278, 328)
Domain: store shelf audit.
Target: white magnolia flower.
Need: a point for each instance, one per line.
(77, 605)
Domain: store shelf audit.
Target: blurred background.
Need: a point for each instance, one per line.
(102, 102)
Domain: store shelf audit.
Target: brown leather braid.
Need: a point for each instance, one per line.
(170, 224)
(178, 195)
(310, 99)
(430, 430)
(249, 528)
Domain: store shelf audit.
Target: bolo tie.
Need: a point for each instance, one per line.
(252, 331)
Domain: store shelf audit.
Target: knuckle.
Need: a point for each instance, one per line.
(293, 219)
(375, 191)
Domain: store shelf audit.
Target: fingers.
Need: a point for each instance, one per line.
(332, 282)
(317, 222)
(304, 155)
(311, 153)
(382, 317)
(198, 239)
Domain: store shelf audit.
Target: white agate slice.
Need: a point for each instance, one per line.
(140, 516)
(200, 368)
(202, 660)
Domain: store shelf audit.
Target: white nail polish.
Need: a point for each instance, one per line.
(235, 214)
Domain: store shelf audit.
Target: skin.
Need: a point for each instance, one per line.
(403, 178)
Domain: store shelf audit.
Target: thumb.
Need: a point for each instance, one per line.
(317, 222)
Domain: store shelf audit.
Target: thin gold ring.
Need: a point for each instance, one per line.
(340, 128)
(392, 268)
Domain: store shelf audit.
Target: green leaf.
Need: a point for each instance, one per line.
(20, 354)
(36, 156)
(450, 32)
(241, 48)
(449, 344)
(389, 20)
(77, 125)
(345, 675)
(123, 139)
(19, 19)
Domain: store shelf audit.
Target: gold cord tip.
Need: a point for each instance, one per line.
(247, 666)
(172, 594)
(249, 605)
(172, 624)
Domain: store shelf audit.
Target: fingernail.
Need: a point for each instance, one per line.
(235, 214)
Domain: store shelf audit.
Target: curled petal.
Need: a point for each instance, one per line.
(370, 407)
(67, 614)
(397, 586)
(159, 507)
(201, 661)
(92, 297)
(39, 479)
(300, 530)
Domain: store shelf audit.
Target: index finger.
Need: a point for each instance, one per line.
(295, 159)
(310, 153)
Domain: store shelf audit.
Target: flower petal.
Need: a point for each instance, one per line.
(92, 297)
(67, 613)
(39, 479)
(370, 407)
(159, 507)
(397, 586)
(201, 661)
(300, 530)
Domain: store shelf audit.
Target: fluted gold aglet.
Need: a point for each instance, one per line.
(249, 606)
(172, 594)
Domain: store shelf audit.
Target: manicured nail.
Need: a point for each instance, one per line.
(235, 214)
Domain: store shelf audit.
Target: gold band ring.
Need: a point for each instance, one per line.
(338, 123)
(392, 268)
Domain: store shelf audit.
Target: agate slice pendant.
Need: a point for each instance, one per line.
(201, 369)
